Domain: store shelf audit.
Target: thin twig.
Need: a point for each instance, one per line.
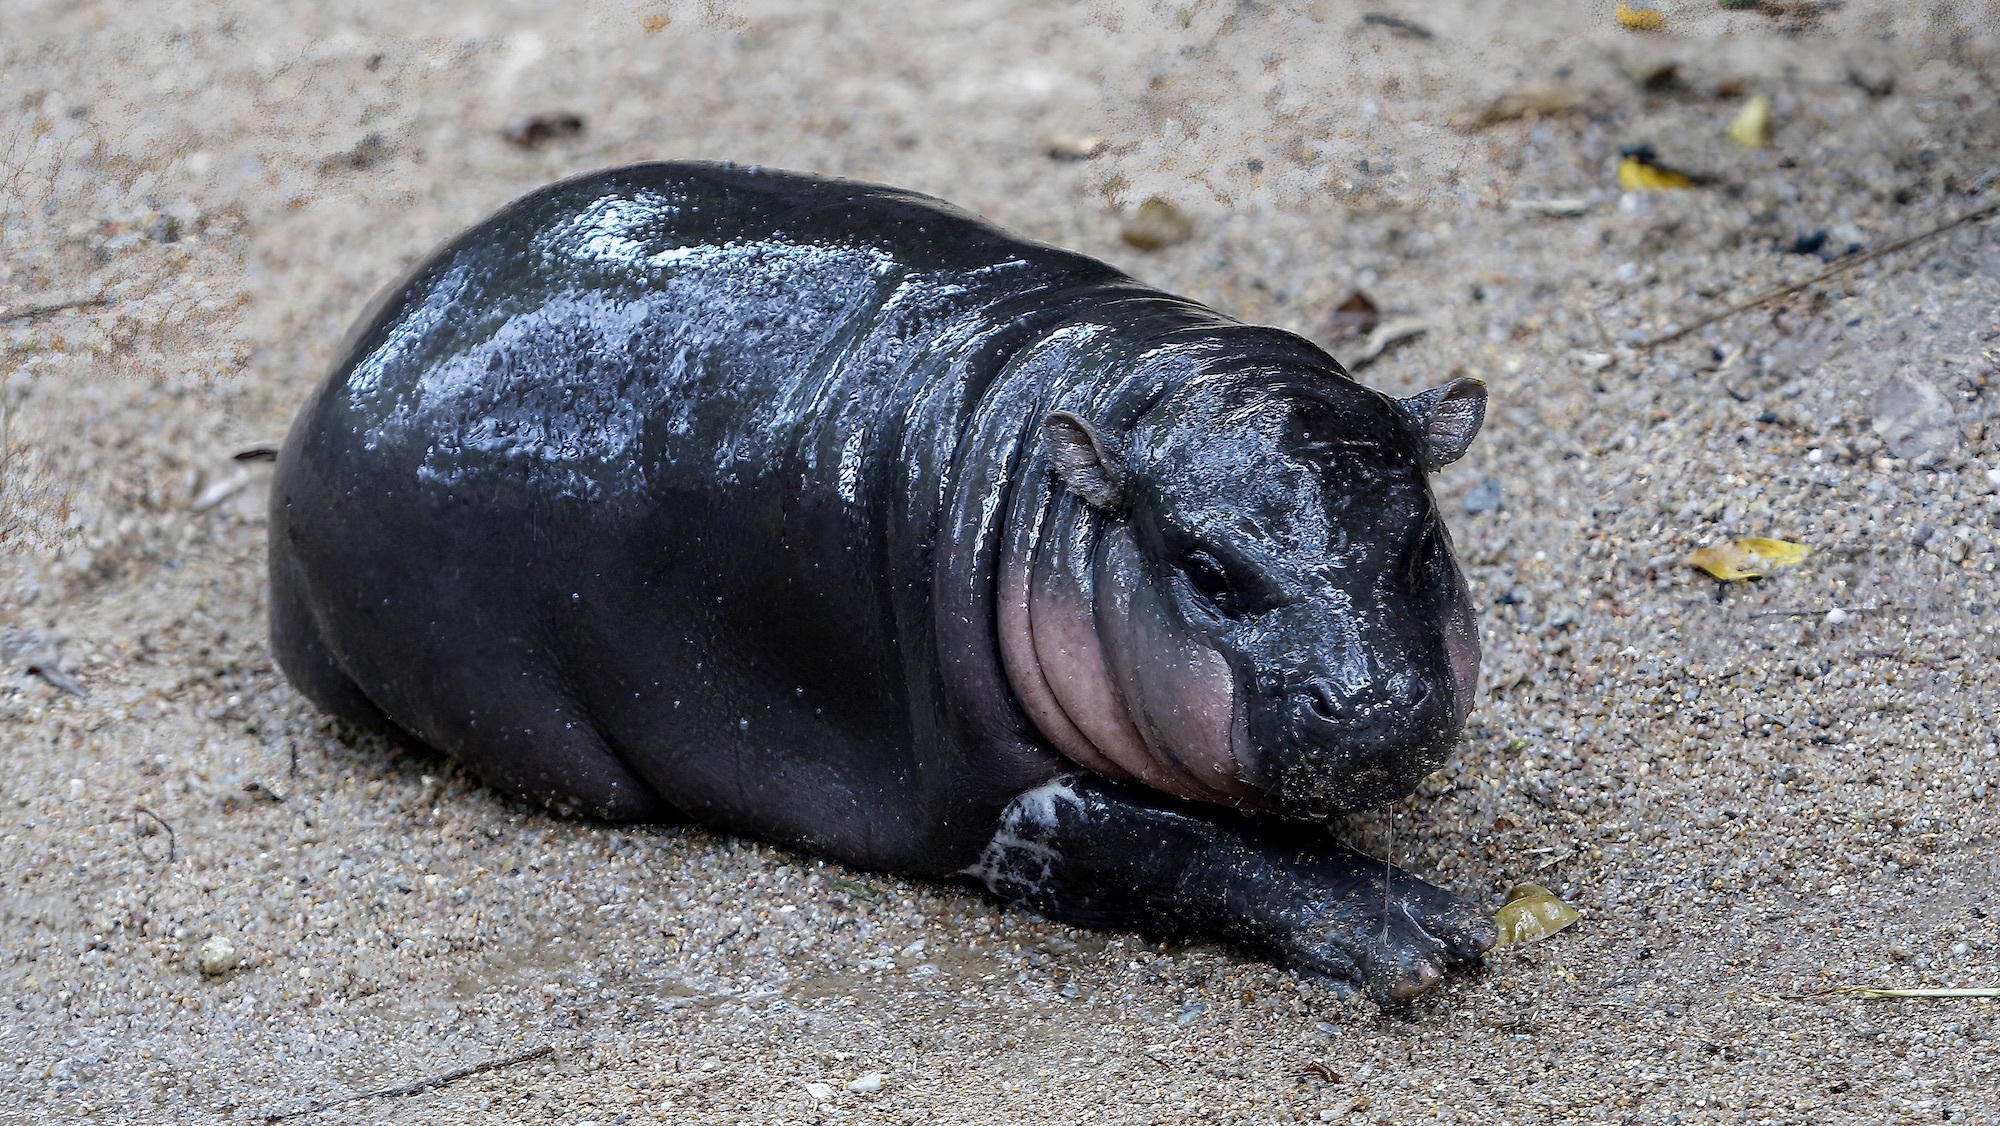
(30, 312)
(1892, 994)
(1808, 613)
(420, 1087)
(58, 679)
(173, 842)
(1841, 267)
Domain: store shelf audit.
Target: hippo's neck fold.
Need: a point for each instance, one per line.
(1049, 613)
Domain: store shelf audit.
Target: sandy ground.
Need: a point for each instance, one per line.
(1754, 793)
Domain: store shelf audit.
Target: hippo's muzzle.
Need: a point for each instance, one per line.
(1329, 748)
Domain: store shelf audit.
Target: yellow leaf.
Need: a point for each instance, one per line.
(1747, 558)
(1640, 19)
(1532, 913)
(1752, 127)
(1635, 175)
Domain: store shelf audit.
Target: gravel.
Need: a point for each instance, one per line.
(1754, 792)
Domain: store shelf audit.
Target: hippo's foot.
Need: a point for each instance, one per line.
(1099, 853)
(1351, 919)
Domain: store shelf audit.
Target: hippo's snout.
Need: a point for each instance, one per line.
(1334, 747)
(1325, 709)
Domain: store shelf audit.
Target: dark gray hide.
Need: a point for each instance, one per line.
(795, 506)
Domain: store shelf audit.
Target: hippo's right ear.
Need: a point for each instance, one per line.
(1083, 461)
(1449, 416)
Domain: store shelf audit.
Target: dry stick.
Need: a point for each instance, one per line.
(1804, 611)
(419, 1088)
(1869, 991)
(1843, 266)
(30, 312)
(172, 841)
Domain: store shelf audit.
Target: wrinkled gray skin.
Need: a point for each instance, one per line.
(828, 513)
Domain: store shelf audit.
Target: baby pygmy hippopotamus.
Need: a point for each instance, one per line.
(833, 514)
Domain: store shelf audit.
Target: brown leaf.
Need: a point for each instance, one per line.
(1357, 316)
(1158, 224)
(1541, 99)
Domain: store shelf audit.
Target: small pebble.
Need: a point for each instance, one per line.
(1913, 418)
(1484, 497)
(867, 1084)
(217, 956)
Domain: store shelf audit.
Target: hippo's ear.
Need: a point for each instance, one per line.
(1449, 416)
(1083, 461)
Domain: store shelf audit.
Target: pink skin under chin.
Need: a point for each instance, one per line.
(1180, 693)
(1020, 657)
(1071, 656)
(1056, 664)
(1080, 695)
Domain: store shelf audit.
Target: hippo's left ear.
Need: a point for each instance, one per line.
(1449, 416)
(1083, 460)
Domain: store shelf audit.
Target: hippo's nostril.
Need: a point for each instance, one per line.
(1317, 701)
(1319, 697)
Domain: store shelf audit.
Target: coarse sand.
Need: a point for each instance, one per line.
(1755, 792)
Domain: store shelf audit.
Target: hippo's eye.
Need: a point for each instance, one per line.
(1210, 580)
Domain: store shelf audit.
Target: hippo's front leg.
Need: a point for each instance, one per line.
(1100, 853)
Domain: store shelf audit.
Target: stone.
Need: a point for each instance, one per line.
(217, 956)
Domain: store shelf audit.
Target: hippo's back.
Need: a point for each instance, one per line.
(613, 499)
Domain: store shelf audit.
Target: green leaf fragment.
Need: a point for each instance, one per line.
(1532, 913)
(858, 889)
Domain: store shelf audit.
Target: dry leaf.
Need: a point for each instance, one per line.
(1635, 175)
(1357, 316)
(1065, 146)
(1747, 558)
(1752, 127)
(1562, 208)
(527, 130)
(1899, 994)
(1385, 336)
(1649, 71)
(1532, 913)
(1158, 224)
(1540, 99)
(1640, 19)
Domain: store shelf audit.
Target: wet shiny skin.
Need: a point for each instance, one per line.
(691, 489)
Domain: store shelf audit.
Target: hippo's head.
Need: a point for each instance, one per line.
(1272, 597)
